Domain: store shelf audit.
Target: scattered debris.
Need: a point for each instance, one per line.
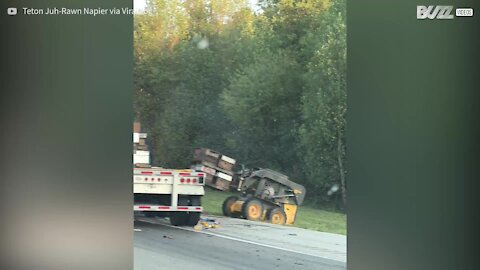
(208, 223)
(168, 237)
(137, 230)
(292, 234)
(207, 220)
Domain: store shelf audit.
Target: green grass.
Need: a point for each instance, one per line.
(213, 200)
(307, 217)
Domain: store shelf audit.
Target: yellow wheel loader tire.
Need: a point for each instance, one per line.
(277, 216)
(252, 209)
(227, 206)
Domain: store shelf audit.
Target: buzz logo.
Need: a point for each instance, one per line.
(434, 12)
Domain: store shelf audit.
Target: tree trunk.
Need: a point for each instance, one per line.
(340, 166)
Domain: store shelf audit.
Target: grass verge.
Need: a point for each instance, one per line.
(307, 217)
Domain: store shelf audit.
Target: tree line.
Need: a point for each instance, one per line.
(263, 85)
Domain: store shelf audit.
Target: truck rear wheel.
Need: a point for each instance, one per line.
(150, 214)
(252, 209)
(186, 218)
(193, 217)
(178, 218)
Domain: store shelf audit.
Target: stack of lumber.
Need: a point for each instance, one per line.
(217, 167)
(141, 153)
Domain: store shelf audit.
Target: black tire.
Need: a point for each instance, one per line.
(192, 219)
(150, 214)
(252, 209)
(277, 216)
(227, 203)
(180, 218)
(186, 218)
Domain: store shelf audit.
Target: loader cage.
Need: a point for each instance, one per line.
(286, 191)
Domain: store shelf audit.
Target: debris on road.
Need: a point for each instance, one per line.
(207, 223)
(137, 230)
(168, 237)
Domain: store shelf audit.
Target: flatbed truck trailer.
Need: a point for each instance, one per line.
(176, 194)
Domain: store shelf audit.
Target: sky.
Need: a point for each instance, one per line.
(139, 5)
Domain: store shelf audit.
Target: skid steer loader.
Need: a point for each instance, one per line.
(266, 195)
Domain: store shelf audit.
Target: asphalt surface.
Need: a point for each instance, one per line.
(160, 246)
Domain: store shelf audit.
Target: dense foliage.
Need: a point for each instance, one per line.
(265, 86)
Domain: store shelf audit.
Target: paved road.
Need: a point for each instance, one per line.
(160, 246)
